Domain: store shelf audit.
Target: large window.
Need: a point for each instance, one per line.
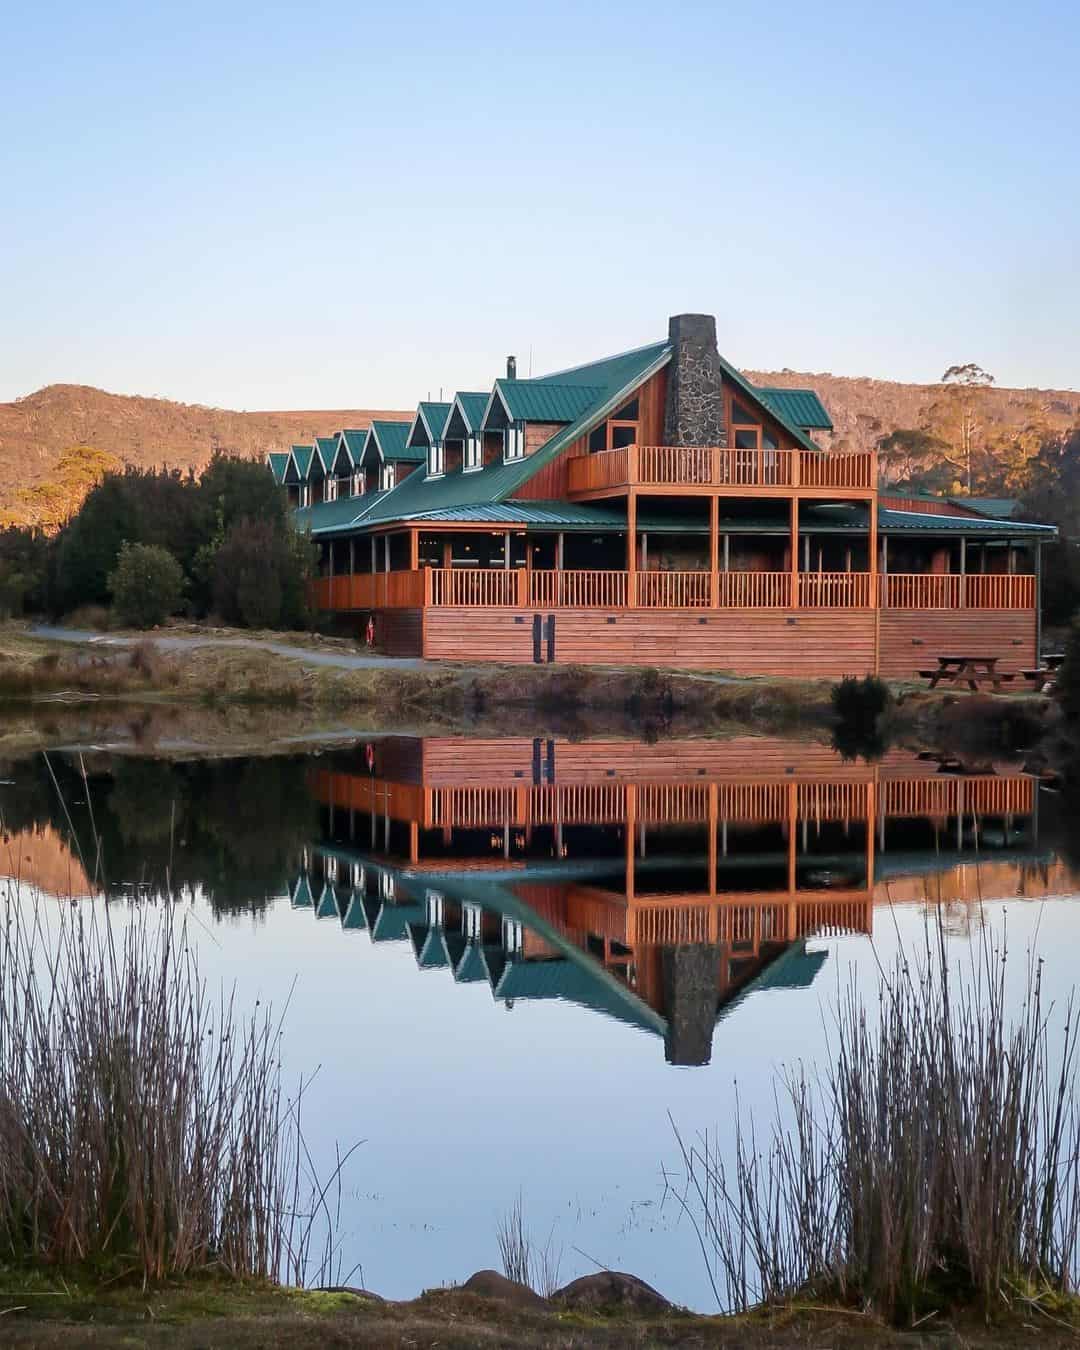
(386, 478)
(474, 458)
(620, 429)
(514, 441)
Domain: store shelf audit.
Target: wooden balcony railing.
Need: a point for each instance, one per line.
(485, 588)
(907, 591)
(834, 590)
(718, 466)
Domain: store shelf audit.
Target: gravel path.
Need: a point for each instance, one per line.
(178, 643)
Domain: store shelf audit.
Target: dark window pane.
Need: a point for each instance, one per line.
(629, 413)
(768, 440)
(739, 413)
(746, 440)
(623, 435)
(598, 439)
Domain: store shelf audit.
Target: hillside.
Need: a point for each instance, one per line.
(149, 432)
(864, 409)
(36, 430)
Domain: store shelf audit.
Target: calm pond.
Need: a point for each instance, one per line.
(515, 961)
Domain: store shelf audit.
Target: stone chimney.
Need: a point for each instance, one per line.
(690, 998)
(694, 411)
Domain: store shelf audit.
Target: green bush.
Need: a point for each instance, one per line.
(146, 585)
(260, 576)
(1069, 675)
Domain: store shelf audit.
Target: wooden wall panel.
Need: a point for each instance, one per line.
(549, 484)
(912, 639)
(398, 632)
(744, 642)
(539, 433)
(450, 760)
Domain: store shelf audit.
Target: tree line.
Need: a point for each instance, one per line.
(154, 543)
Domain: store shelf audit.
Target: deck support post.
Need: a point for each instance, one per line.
(963, 570)
(386, 552)
(794, 551)
(506, 550)
(352, 556)
(727, 551)
(631, 832)
(1038, 604)
(414, 550)
(560, 551)
(447, 554)
(374, 564)
(330, 554)
(872, 550)
(714, 556)
(631, 549)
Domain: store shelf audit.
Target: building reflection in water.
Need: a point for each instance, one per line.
(656, 883)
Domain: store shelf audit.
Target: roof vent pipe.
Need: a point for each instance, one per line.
(511, 367)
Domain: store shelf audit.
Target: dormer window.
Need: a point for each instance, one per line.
(358, 483)
(474, 455)
(386, 478)
(514, 441)
(436, 459)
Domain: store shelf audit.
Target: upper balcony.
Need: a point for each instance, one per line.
(690, 468)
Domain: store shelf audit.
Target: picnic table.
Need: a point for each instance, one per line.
(1044, 677)
(969, 670)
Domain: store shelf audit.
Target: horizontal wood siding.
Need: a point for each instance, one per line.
(539, 433)
(912, 639)
(398, 632)
(745, 642)
(549, 484)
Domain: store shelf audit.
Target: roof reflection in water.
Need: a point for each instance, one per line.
(656, 883)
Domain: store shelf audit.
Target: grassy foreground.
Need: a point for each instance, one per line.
(49, 1313)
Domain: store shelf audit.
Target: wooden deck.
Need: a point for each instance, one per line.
(687, 468)
(521, 588)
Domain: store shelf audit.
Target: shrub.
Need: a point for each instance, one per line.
(147, 585)
(858, 705)
(1069, 675)
(260, 576)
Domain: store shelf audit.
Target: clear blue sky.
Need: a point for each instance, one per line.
(342, 204)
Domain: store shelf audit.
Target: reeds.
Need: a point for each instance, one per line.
(934, 1163)
(143, 1126)
(524, 1260)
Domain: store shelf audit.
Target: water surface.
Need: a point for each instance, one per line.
(513, 960)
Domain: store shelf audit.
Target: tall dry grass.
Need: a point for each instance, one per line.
(525, 1260)
(143, 1123)
(935, 1162)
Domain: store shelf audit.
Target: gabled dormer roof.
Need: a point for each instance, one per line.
(800, 407)
(538, 401)
(347, 448)
(426, 427)
(277, 461)
(390, 442)
(296, 470)
(466, 415)
(322, 454)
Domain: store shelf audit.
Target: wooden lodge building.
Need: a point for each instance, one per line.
(654, 507)
(656, 883)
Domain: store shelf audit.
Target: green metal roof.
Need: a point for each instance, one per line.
(996, 508)
(327, 906)
(470, 408)
(927, 523)
(568, 982)
(434, 416)
(391, 440)
(801, 407)
(278, 462)
(342, 514)
(302, 456)
(354, 441)
(301, 894)
(354, 916)
(417, 495)
(543, 401)
(431, 953)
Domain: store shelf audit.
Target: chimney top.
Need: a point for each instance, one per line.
(511, 367)
(695, 328)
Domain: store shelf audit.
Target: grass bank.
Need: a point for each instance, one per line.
(56, 1313)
